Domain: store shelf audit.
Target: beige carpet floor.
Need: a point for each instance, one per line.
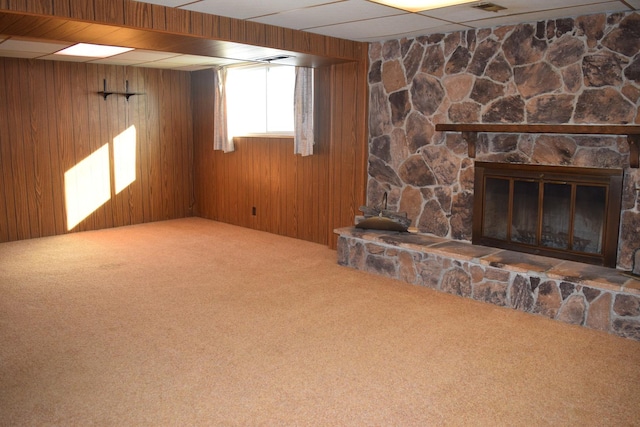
(196, 323)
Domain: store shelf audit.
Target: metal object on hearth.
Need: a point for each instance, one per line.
(383, 219)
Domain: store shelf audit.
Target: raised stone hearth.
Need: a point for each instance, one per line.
(595, 297)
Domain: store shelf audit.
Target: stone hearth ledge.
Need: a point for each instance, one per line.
(587, 295)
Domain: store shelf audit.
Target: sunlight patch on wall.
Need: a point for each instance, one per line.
(87, 186)
(124, 158)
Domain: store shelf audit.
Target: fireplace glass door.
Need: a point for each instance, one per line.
(569, 213)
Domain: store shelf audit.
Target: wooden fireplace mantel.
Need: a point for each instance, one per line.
(470, 133)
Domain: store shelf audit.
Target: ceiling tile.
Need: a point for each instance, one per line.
(251, 8)
(442, 29)
(116, 61)
(614, 6)
(192, 59)
(465, 13)
(31, 46)
(381, 28)
(144, 55)
(460, 13)
(67, 58)
(329, 14)
(18, 54)
(364, 20)
(162, 64)
(350, 19)
(194, 67)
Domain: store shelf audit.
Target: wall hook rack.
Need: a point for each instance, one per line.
(127, 93)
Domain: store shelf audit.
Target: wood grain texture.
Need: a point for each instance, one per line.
(153, 26)
(289, 192)
(301, 197)
(54, 118)
(348, 153)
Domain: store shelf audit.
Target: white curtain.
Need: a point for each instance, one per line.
(221, 138)
(303, 112)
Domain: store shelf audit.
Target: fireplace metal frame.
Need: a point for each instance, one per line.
(611, 179)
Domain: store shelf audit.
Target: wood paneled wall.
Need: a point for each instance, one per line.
(301, 197)
(199, 26)
(289, 192)
(349, 152)
(52, 118)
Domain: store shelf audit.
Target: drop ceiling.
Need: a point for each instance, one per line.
(358, 20)
(366, 21)
(22, 47)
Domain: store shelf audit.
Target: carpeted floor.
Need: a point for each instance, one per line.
(193, 322)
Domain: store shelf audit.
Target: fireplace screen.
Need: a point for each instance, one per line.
(569, 213)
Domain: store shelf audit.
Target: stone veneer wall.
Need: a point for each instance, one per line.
(583, 70)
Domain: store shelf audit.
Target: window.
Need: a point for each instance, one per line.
(260, 100)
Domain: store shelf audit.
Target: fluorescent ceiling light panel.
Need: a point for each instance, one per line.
(420, 5)
(93, 50)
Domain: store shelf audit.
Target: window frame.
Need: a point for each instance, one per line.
(267, 134)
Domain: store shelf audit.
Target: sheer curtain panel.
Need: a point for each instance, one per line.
(221, 138)
(303, 108)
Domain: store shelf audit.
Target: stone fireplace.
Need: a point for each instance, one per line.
(565, 72)
(577, 71)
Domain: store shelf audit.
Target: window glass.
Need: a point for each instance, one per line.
(556, 215)
(589, 219)
(496, 208)
(524, 224)
(260, 100)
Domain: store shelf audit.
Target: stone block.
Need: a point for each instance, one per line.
(549, 299)
(627, 328)
(573, 310)
(521, 295)
(381, 265)
(433, 62)
(456, 282)
(406, 268)
(627, 305)
(491, 292)
(599, 315)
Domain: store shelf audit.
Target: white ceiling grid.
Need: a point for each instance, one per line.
(359, 20)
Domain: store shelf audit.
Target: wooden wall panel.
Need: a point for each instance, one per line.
(56, 215)
(109, 11)
(134, 14)
(138, 115)
(301, 197)
(82, 9)
(263, 173)
(8, 226)
(53, 118)
(288, 192)
(137, 14)
(348, 154)
(16, 161)
(60, 8)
